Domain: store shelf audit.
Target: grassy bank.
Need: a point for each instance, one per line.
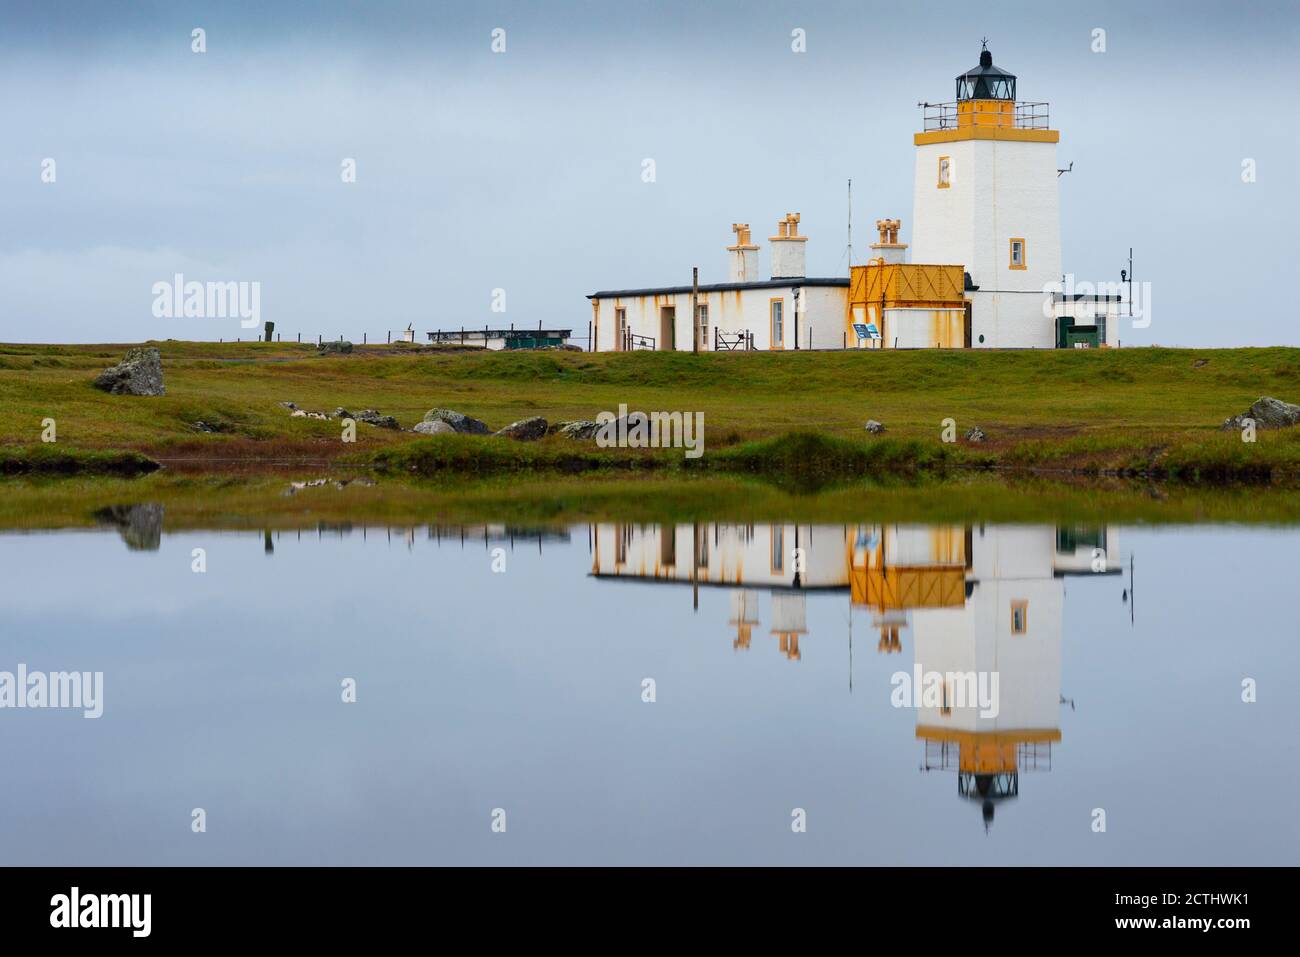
(52, 460)
(1134, 411)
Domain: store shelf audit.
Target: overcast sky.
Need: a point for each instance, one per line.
(522, 170)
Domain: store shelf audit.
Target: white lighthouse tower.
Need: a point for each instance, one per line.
(986, 197)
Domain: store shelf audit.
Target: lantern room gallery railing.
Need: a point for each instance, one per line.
(1020, 114)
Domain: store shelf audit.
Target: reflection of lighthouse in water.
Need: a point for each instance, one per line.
(983, 602)
(970, 601)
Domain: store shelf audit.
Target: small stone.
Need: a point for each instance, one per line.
(874, 427)
(976, 434)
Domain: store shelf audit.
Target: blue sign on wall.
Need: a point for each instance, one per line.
(866, 330)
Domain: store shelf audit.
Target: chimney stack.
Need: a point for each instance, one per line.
(743, 261)
(889, 249)
(789, 256)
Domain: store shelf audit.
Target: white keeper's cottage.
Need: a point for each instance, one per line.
(985, 269)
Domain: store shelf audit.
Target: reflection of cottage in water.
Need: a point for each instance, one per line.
(787, 559)
(970, 600)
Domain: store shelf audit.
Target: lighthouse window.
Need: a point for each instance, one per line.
(1019, 617)
(1017, 254)
(945, 172)
(778, 324)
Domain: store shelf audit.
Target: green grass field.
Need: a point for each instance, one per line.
(1152, 410)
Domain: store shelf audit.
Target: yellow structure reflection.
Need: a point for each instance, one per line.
(971, 600)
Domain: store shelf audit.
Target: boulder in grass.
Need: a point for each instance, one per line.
(976, 434)
(874, 427)
(436, 427)
(581, 429)
(525, 430)
(140, 373)
(458, 420)
(377, 419)
(334, 347)
(1267, 413)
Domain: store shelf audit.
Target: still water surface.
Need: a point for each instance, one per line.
(1120, 655)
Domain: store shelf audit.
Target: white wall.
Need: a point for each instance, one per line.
(1010, 564)
(733, 311)
(736, 554)
(999, 190)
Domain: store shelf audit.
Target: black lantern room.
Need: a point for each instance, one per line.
(986, 82)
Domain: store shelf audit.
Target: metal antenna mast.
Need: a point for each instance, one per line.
(850, 252)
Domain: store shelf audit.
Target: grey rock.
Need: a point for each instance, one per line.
(304, 414)
(140, 373)
(976, 434)
(338, 347)
(209, 426)
(291, 406)
(458, 421)
(377, 419)
(525, 430)
(874, 427)
(581, 429)
(1267, 413)
(436, 427)
(623, 426)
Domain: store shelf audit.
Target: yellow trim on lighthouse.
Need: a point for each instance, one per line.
(986, 133)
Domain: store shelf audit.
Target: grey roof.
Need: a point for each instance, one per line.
(719, 287)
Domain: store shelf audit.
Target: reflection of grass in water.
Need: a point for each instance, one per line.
(224, 502)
